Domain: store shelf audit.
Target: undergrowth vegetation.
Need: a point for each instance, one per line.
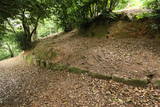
(76, 13)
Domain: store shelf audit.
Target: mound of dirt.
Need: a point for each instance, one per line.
(126, 53)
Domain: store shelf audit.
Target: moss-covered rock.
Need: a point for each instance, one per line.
(59, 67)
(157, 83)
(133, 82)
(99, 76)
(136, 82)
(118, 79)
(77, 70)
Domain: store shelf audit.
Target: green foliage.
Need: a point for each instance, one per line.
(8, 46)
(20, 38)
(29, 12)
(32, 12)
(67, 14)
(73, 13)
(148, 15)
(8, 10)
(122, 4)
(152, 4)
(47, 27)
(4, 55)
(155, 6)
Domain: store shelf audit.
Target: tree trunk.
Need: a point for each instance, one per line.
(27, 42)
(28, 32)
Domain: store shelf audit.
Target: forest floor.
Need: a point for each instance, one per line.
(125, 50)
(23, 85)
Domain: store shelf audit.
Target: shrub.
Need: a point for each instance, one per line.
(76, 13)
(103, 19)
(4, 55)
(152, 4)
(20, 38)
(122, 4)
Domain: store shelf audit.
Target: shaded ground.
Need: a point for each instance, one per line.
(29, 86)
(124, 52)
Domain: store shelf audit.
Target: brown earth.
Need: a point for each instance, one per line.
(23, 85)
(125, 51)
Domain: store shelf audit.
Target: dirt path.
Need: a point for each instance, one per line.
(22, 85)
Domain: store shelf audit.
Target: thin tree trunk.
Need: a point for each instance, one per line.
(27, 30)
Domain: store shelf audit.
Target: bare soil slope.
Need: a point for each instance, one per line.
(125, 51)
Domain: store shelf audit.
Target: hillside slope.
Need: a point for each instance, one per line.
(125, 51)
